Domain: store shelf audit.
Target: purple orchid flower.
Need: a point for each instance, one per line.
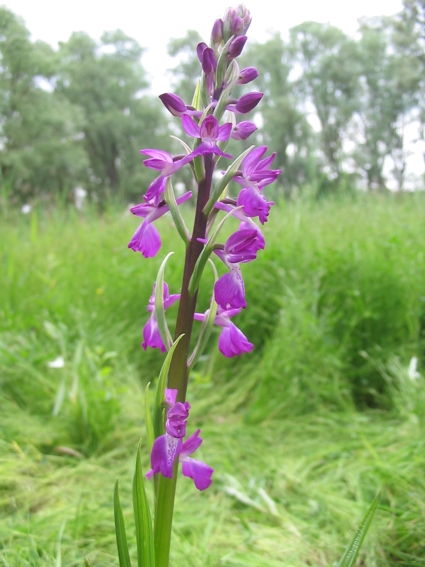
(254, 203)
(254, 176)
(146, 239)
(232, 341)
(255, 171)
(242, 246)
(210, 133)
(164, 162)
(169, 446)
(177, 107)
(151, 335)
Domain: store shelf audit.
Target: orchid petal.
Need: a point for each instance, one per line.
(190, 127)
(198, 471)
(229, 290)
(233, 342)
(165, 450)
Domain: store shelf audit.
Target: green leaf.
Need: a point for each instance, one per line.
(205, 254)
(224, 181)
(350, 555)
(170, 199)
(142, 518)
(196, 101)
(159, 305)
(120, 533)
(158, 422)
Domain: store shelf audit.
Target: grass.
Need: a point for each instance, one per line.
(302, 433)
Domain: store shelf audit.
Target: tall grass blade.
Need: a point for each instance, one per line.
(142, 517)
(350, 555)
(123, 555)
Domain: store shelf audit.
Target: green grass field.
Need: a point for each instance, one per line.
(302, 432)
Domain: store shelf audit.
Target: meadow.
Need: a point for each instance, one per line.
(303, 432)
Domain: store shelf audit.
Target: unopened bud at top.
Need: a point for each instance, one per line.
(236, 22)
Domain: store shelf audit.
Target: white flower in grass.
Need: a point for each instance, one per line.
(57, 363)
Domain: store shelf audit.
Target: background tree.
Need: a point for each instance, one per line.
(186, 72)
(39, 153)
(106, 82)
(329, 82)
(286, 127)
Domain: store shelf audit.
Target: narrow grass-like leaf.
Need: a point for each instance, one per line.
(148, 417)
(60, 396)
(159, 305)
(59, 546)
(204, 90)
(158, 423)
(197, 101)
(142, 518)
(350, 555)
(185, 146)
(122, 545)
(205, 254)
(225, 180)
(207, 326)
(170, 199)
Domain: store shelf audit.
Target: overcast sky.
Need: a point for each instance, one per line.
(153, 23)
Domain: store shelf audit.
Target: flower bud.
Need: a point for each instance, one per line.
(173, 104)
(247, 75)
(228, 19)
(244, 14)
(243, 130)
(248, 102)
(207, 58)
(237, 46)
(217, 32)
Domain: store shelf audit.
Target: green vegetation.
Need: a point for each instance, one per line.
(302, 433)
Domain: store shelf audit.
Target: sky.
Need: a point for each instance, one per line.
(153, 23)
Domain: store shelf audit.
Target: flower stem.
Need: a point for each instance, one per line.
(179, 372)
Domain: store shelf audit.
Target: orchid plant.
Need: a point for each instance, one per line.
(211, 120)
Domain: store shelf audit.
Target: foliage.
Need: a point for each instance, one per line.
(293, 486)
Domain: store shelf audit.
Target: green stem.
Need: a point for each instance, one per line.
(179, 372)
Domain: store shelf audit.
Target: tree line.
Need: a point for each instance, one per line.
(336, 108)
